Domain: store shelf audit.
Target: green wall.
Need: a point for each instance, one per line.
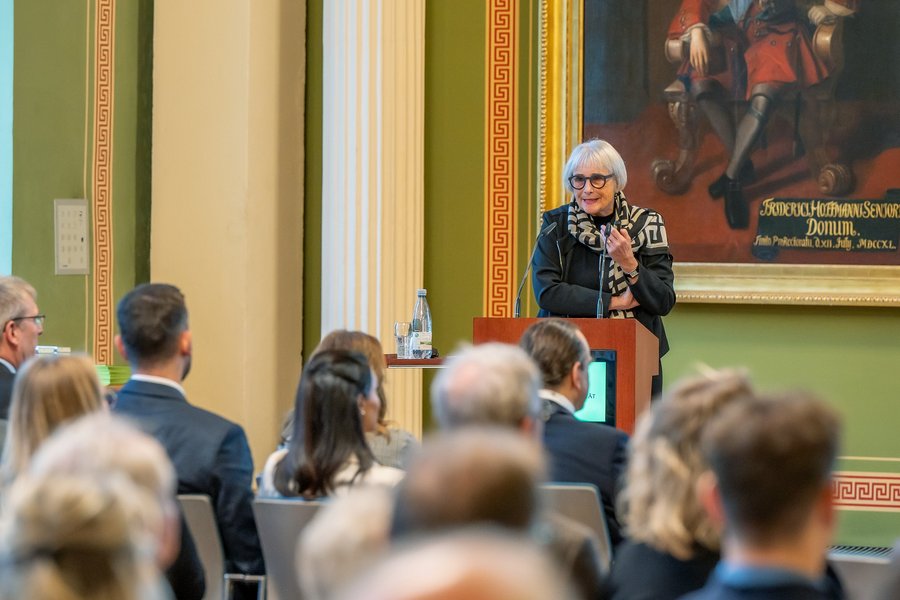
(6, 108)
(52, 148)
(312, 171)
(850, 356)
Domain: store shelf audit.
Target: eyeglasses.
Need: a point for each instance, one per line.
(598, 181)
(38, 319)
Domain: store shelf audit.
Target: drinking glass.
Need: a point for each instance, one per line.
(402, 335)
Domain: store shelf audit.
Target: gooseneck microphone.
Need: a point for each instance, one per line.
(602, 273)
(545, 231)
(617, 224)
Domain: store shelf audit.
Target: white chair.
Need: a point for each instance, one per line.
(581, 502)
(862, 572)
(201, 520)
(280, 522)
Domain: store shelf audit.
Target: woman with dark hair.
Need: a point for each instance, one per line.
(390, 445)
(328, 452)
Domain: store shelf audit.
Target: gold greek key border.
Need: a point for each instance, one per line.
(864, 491)
(501, 118)
(102, 173)
(560, 114)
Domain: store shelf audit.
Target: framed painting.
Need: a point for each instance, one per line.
(776, 185)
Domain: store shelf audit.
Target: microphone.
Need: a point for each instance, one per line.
(602, 272)
(545, 231)
(617, 223)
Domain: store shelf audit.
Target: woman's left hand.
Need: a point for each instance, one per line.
(618, 245)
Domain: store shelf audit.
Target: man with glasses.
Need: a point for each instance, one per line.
(22, 324)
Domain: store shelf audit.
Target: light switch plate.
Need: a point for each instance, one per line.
(71, 229)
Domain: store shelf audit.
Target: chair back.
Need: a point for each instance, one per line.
(280, 522)
(581, 502)
(201, 520)
(862, 577)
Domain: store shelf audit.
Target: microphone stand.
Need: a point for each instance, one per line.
(518, 306)
(602, 273)
(614, 222)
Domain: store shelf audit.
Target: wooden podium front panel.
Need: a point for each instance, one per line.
(637, 355)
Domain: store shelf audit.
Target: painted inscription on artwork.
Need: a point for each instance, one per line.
(826, 224)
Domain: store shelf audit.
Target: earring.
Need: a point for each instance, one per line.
(362, 412)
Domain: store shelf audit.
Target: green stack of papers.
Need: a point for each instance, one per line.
(113, 374)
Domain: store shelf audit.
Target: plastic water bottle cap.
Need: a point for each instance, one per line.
(421, 292)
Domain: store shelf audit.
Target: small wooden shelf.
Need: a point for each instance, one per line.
(413, 363)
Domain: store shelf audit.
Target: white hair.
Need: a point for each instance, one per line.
(488, 384)
(475, 564)
(600, 152)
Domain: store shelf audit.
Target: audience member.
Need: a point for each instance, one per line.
(580, 452)
(49, 390)
(336, 402)
(471, 476)
(210, 454)
(99, 445)
(475, 565)
(769, 486)
(390, 445)
(22, 324)
(672, 546)
(347, 535)
(497, 385)
(70, 537)
(490, 384)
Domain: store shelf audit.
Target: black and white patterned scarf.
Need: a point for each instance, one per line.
(582, 228)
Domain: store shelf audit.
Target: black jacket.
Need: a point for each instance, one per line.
(583, 452)
(211, 456)
(6, 385)
(565, 272)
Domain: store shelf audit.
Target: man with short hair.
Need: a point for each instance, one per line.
(22, 324)
(580, 452)
(210, 454)
(769, 485)
(497, 385)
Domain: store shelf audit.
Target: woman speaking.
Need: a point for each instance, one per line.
(598, 237)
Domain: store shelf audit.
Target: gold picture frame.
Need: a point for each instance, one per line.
(560, 129)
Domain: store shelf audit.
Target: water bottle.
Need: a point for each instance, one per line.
(420, 331)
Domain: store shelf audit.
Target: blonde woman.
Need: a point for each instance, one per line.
(49, 390)
(101, 444)
(672, 546)
(70, 537)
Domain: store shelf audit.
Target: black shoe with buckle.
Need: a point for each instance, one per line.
(748, 175)
(737, 213)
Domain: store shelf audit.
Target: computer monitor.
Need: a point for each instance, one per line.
(600, 404)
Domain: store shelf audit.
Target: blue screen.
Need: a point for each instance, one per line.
(600, 403)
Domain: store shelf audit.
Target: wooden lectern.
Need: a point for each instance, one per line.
(637, 355)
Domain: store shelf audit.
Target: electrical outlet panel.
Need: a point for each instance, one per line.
(71, 227)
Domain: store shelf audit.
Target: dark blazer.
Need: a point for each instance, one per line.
(642, 572)
(211, 456)
(6, 386)
(586, 453)
(719, 590)
(566, 272)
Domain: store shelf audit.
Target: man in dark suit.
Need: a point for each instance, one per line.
(210, 454)
(769, 487)
(580, 452)
(22, 324)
